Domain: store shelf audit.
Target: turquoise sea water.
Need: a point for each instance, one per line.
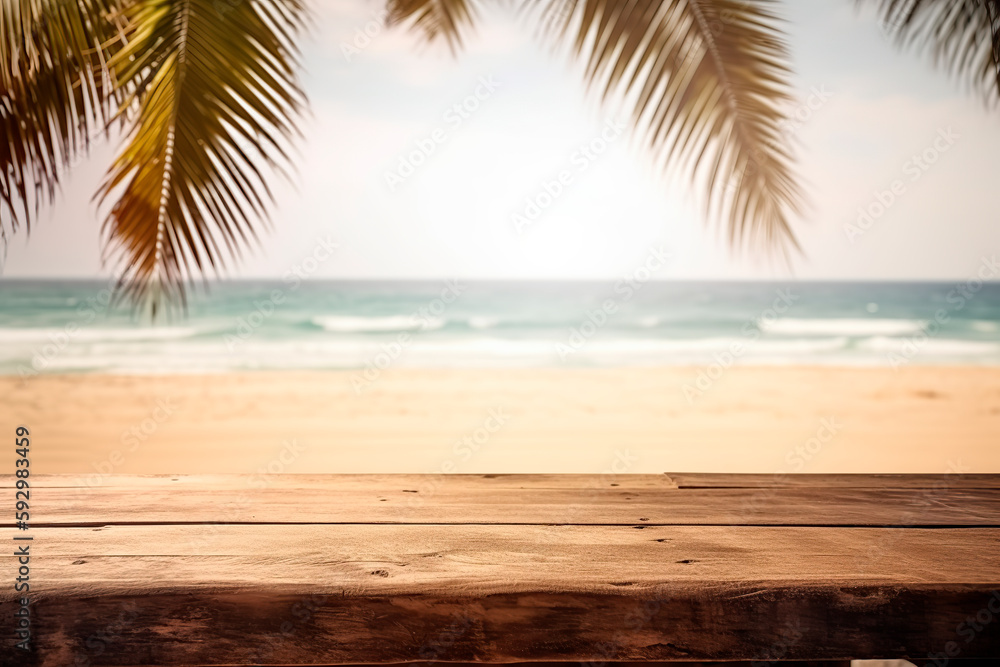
(66, 327)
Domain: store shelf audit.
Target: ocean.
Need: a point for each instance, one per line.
(67, 326)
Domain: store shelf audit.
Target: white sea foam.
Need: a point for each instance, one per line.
(946, 347)
(842, 327)
(985, 326)
(483, 322)
(353, 324)
(85, 334)
(353, 352)
(500, 327)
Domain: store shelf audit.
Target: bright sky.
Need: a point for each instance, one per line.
(453, 216)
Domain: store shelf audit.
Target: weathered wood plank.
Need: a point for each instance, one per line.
(479, 482)
(356, 482)
(672, 663)
(683, 625)
(414, 499)
(956, 478)
(354, 569)
(685, 663)
(485, 559)
(621, 499)
(723, 506)
(384, 593)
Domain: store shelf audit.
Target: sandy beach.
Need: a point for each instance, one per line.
(637, 420)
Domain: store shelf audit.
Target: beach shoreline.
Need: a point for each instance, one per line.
(762, 419)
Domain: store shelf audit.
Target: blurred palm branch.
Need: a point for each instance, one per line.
(961, 36)
(204, 96)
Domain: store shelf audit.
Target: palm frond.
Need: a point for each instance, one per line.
(212, 91)
(704, 82)
(54, 95)
(962, 36)
(436, 19)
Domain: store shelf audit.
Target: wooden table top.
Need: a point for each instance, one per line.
(344, 569)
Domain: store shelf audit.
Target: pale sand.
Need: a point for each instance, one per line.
(916, 419)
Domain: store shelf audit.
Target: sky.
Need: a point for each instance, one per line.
(864, 109)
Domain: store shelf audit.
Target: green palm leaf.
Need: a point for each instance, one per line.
(963, 36)
(54, 95)
(208, 90)
(708, 79)
(212, 88)
(704, 82)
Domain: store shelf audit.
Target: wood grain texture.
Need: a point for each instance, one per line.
(779, 506)
(348, 482)
(513, 499)
(480, 560)
(314, 570)
(957, 479)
